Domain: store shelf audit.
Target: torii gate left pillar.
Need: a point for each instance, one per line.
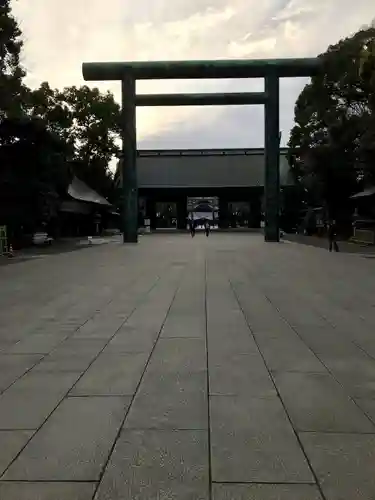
(129, 161)
(271, 70)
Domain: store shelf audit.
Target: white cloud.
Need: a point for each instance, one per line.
(242, 49)
(59, 36)
(297, 8)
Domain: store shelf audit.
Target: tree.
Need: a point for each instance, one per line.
(46, 136)
(88, 122)
(33, 174)
(95, 133)
(11, 71)
(332, 115)
(367, 64)
(49, 105)
(367, 140)
(33, 154)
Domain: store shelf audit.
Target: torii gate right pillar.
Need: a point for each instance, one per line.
(272, 159)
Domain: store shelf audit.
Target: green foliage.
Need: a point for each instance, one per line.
(334, 125)
(95, 133)
(11, 72)
(48, 105)
(33, 173)
(88, 121)
(47, 136)
(367, 145)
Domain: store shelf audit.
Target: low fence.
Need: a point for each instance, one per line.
(364, 232)
(4, 250)
(364, 236)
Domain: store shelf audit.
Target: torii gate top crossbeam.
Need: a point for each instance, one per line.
(222, 68)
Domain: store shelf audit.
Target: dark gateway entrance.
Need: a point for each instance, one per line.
(271, 70)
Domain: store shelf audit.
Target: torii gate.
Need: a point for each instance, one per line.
(269, 69)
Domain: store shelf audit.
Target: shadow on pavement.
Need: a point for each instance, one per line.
(57, 248)
(367, 251)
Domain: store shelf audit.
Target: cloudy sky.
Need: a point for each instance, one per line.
(60, 35)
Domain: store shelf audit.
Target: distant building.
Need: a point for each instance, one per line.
(82, 212)
(230, 176)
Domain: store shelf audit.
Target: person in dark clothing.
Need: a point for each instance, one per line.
(207, 228)
(332, 236)
(192, 228)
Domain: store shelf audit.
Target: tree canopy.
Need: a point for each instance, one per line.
(332, 145)
(48, 135)
(11, 72)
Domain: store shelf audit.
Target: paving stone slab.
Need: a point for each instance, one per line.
(151, 315)
(222, 308)
(342, 357)
(329, 342)
(11, 443)
(356, 375)
(57, 327)
(51, 383)
(112, 375)
(5, 344)
(137, 324)
(189, 300)
(367, 345)
(282, 355)
(31, 399)
(179, 355)
(132, 342)
(99, 329)
(299, 313)
(316, 402)
(348, 363)
(80, 347)
(170, 401)
(228, 332)
(368, 406)
(344, 464)
(190, 296)
(244, 374)
(281, 332)
(260, 313)
(144, 325)
(350, 324)
(272, 324)
(253, 441)
(63, 362)
(46, 491)
(74, 443)
(9, 362)
(227, 320)
(38, 343)
(265, 492)
(190, 325)
(157, 464)
(222, 345)
(13, 366)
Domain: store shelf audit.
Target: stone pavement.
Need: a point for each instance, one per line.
(188, 369)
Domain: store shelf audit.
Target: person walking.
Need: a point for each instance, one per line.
(192, 228)
(207, 228)
(332, 236)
